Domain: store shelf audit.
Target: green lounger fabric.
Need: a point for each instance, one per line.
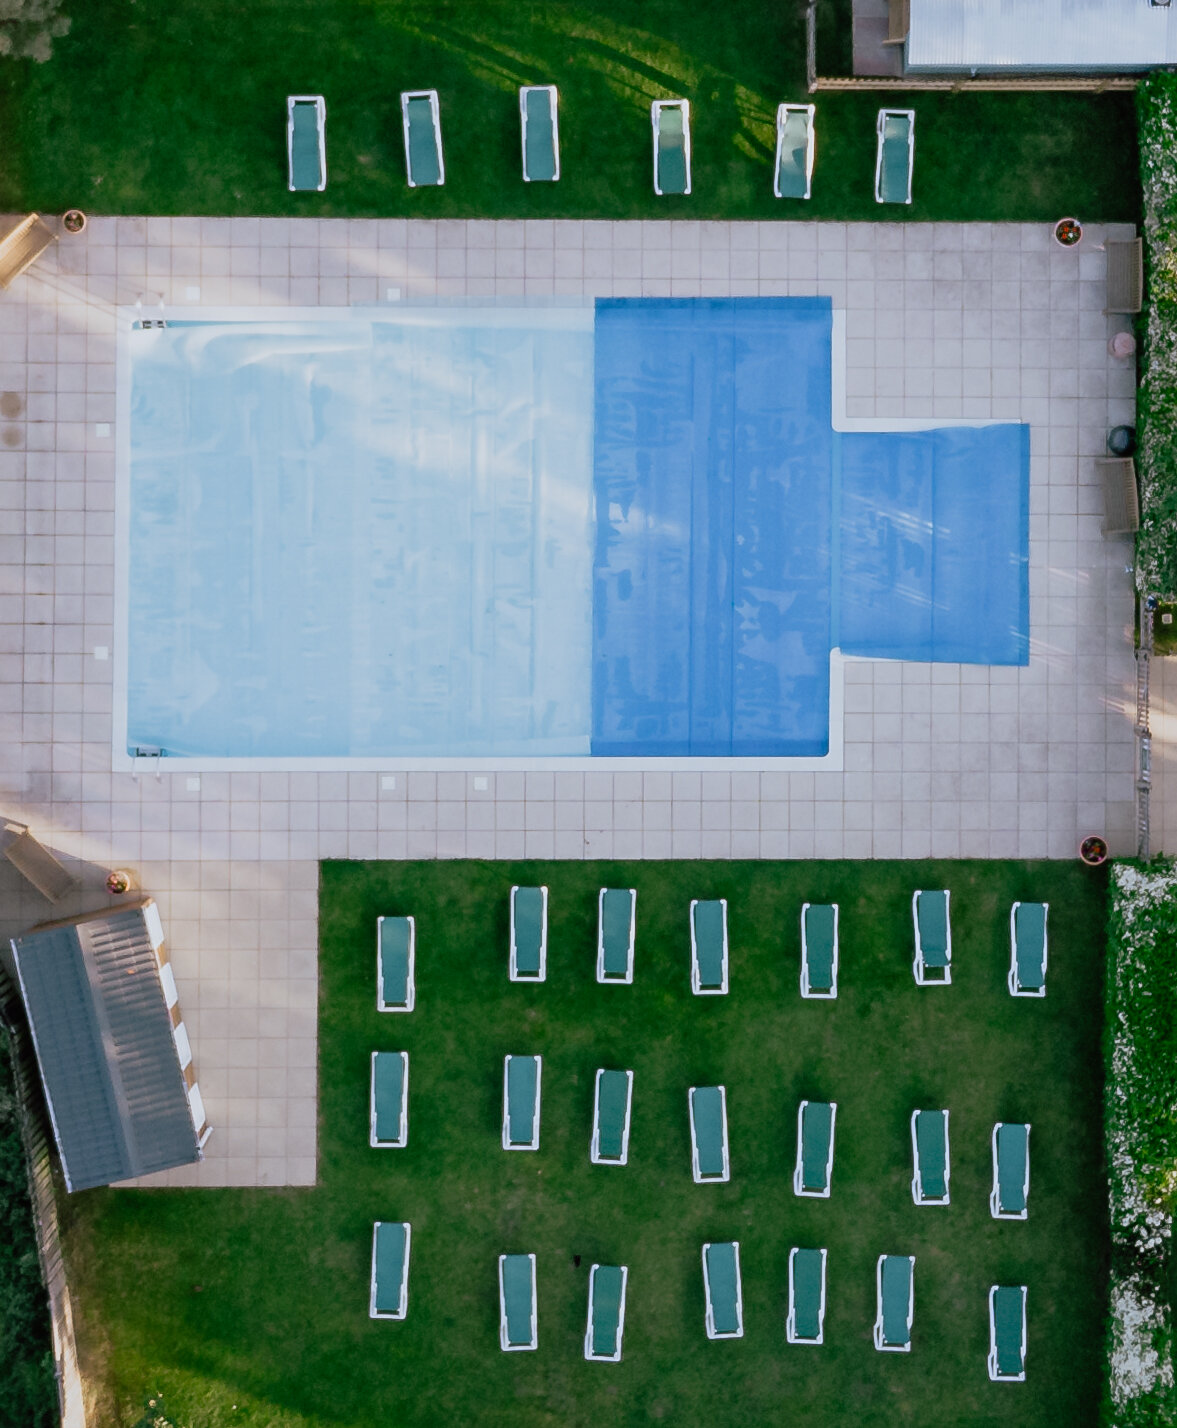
(395, 933)
(707, 1117)
(305, 172)
(388, 1081)
(1013, 1147)
(896, 1298)
(613, 1098)
(709, 942)
(721, 1277)
(932, 911)
(390, 1266)
(807, 1278)
(541, 150)
(529, 928)
(816, 1124)
(521, 1078)
(819, 946)
(1030, 935)
(1007, 1329)
(893, 176)
(607, 1279)
(616, 915)
(424, 167)
(932, 1145)
(672, 153)
(517, 1297)
(791, 178)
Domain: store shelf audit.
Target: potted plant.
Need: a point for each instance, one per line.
(73, 221)
(119, 882)
(1068, 232)
(1093, 850)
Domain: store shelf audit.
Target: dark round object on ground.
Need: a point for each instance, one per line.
(1122, 440)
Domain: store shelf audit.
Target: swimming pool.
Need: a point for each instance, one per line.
(567, 532)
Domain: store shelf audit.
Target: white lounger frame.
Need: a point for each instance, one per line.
(696, 984)
(791, 1335)
(884, 114)
(782, 114)
(614, 1358)
(799, 1167)
(595, 1147)
(709, 1319)
(515, 974)
(917, 1179)
(411, 988)
(321, 125)
(656, 119)
(435, 116)
(698, 1178)
(992, 1361)
(403, 1140)
(633, 913)
(503, 1344)
(806, 990)
(995, 1194)
(524, 91)
(533, 1143)
(878, 1329)
(403, 1305)
(1014, 989)
(917, 965)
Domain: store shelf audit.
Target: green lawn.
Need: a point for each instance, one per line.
(259, 1299)
(150, 106)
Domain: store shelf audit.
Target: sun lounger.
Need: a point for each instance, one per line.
(794, 151)
(895, 1302)
(1027, 949)
(929, 1153)
(1011, 1171)
(396, 946)
(815, 1148)
(529, 934)
(541, 133)
(20, 248)
(721, 1288)
(672, 145)
(807, 1296)
(521, 1086)
(819, 950)
(518, 1328)
(895, 155)
(616, 922)
(306, 145)
(933, 938)
(606, 1313)
(390, 1270)
(421, 120)
(709, 1158)
(709, 948)
(612, 1103)
(1007, 1333)
(1125, 275)
(389, 1109)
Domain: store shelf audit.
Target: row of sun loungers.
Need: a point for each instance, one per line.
(306, 128)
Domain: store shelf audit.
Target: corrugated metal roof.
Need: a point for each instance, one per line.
(1107, 35)
(103, 1036)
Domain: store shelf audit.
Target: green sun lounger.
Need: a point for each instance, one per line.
(819, 950)
(895, 155)
(722, 1291)
(1007, 1333)
(306, 148)
(529, 934)
(421, 121)
(1011, 1171)
(933, 938)
(389, 1108)
(929, 1153)
(794, 151)
(815, 1148)
(1027, 949)
(709, 1157)
(389, 1298)
(521, 1090)
(895, 1302)
(518, 1327)
(616, 923)
(396, 945)
(612, 1103)
(807, 1296)
(541, 134)
(671, 119)
(606, 1313)
(709, 948)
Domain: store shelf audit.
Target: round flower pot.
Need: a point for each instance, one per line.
(1122, 345)
(73, 221)
(1068, 232)
(1122, 440)
(118, 882)
(1093, 851)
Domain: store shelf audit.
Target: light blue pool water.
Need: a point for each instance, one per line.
(540, 532)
